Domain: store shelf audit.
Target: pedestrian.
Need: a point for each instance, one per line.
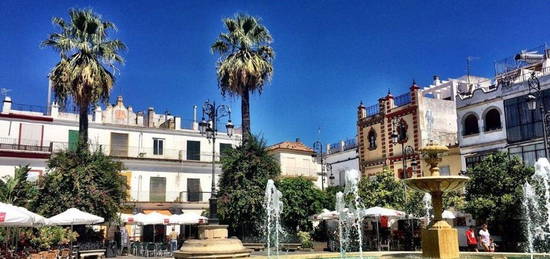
(471, 239)
(485, 238)
(173, 239)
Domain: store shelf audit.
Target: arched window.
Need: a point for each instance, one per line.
(492, 120)
(372, 139)
(470, 125)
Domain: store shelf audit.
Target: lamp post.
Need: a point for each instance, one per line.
(534, 85)
(318, 147)
(209, 127)
(399, 135)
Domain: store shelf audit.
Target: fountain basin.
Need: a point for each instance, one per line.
(437, 183)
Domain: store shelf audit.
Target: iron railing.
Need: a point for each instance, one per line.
(373, 110)
(402, 100)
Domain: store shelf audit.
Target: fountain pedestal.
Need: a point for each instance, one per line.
(212, 243)
(439, 239)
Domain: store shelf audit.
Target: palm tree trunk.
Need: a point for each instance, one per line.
(245, 114)
(83, 127)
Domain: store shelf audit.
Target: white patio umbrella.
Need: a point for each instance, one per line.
(326, 214)
(74, 216)
(127, 218)
(153, 218)
(13, 216)
(447, 214)
(186, 219)
(379, 212)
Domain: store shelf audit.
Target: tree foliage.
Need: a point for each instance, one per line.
(246, 170)
(495, 187)
(17, 190)
(384, 190)
(245, 60)
(301, 200)
(87, 181)
(86, 53)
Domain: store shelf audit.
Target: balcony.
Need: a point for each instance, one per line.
(25, 145)
(294, 171)
(140, 152)
(170, 197)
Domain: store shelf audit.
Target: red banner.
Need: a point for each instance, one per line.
(130, 220)
(166, 221)
(2, 216)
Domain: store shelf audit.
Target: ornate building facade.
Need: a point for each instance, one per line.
(419, 117)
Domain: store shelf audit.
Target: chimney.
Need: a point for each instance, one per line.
(195, 123)
(298, 140)
(150, 117)
(436, 81)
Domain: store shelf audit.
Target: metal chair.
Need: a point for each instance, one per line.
(151, 249)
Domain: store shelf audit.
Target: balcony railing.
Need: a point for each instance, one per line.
(402, 100)
(299, 171)
(170, 196)
(141, 152)
(23, 145)
(373, 110)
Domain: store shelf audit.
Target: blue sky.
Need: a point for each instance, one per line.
(330, 54)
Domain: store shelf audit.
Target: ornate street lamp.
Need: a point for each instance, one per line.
(534, 85)
(209, 128)
(318, 147)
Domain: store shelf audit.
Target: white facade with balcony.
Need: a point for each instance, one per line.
(340, 157)
(168, 166)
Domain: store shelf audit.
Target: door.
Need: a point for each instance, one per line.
(73, 139)
(119, 144)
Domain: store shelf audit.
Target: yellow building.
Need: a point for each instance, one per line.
(408, 122)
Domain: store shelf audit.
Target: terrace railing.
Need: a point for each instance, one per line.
(402, 100)
(373, 110)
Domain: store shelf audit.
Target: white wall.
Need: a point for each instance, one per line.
(483, 137)
(340, 162)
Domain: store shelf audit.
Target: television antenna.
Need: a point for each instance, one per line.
(469, 60)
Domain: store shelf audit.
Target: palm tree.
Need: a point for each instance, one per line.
(86, 54)
(245, 61)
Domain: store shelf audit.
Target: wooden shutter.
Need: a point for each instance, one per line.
(119, 144)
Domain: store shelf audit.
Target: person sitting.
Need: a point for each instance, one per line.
(471, 239)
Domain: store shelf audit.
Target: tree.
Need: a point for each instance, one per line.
(245, 61)
(17, 190)
(87, 181)
(86, 51)
(246, 170)
(301, 200)
(494, 194)
(330, 194)
(384, 190)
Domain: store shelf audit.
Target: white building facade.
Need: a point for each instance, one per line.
(297, 159)
(339, 158)
(168, 167)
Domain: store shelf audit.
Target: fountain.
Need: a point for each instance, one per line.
(350, 215)
(427, 200)
(439, 239)
(536, 205)
(273, 206)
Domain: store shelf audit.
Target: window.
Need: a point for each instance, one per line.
(119, 144)
(194, 192)
(528, 154)
(193, 150)
(472, 161)
(492, 120)
(157, 189)
(158, 146)
(224, 147)
(470, 125)
(372, 139)
(444, 170)
(521, 123)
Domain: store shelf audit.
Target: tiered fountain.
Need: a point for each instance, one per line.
(439, 239)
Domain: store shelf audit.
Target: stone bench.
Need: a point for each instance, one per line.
(100, 253)
(255, 246)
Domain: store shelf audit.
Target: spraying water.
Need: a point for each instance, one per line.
(536, 206)
(427, 200)
(273, 206)
(350, 213)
